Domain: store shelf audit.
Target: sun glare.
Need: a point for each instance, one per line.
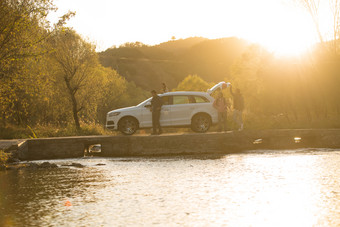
(285, 32)
(287, 44)
(280, 26)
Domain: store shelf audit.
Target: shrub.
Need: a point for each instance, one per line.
(3, 157)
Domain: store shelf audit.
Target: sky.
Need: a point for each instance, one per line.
(279, 25)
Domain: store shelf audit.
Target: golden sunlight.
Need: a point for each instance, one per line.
(286, 32)
(280, 26)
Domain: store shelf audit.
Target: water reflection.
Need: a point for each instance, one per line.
(257, 188)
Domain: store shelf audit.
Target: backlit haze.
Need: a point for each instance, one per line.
(281, 26)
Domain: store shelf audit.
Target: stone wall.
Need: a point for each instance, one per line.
(172, 144)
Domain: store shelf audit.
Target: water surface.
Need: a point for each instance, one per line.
(256, 188)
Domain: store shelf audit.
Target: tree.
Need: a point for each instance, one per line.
(312, 6)
(332, 33)
(77, 60)
(133, 45)
(193, 83)
(335, 9)
(23, 28)
(24, 31)
(326, 68)
(108, 93)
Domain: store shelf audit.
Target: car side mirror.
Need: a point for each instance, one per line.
(148, 105)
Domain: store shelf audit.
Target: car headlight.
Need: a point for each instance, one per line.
(114, 114)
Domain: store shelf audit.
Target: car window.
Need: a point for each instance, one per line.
(192, 99)
(180, 99)
(200, 99)
(166, 100)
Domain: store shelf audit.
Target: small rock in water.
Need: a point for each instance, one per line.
(77, 165)
(100, 164)
(32, 165)
(47, 165)
(74, 164)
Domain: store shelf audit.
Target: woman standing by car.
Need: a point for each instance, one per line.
(221, 105)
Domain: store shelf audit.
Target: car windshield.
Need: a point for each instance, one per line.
(144, 102)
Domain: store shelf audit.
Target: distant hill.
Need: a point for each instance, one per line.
(172, 61)
(179, 46)
(212, 59)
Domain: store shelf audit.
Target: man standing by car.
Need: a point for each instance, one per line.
(238, 102)
(156, 106)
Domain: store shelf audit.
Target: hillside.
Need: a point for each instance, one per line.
(171, 62)
(179, 46)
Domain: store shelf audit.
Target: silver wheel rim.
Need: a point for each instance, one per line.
(129, 126)
(202, 124)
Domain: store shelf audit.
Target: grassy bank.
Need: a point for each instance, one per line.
(16, 132)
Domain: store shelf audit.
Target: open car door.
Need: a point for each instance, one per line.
(220, 85)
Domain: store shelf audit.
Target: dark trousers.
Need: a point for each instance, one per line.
(155, 121)
(222, 121)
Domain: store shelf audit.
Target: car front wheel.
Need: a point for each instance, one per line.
(200, 123)
(128, 125)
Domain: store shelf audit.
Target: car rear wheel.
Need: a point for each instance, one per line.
(128, 125)
(200, 123)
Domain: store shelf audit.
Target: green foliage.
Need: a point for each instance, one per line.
(24, 32)
(193, 83)
(76, 62)
(22, 25)
(112, 92)
(50, 76)
(133, 45)
(3, 158)
(32, 131)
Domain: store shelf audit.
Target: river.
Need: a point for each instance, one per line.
(255, 188)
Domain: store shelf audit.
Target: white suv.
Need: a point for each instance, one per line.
(180, 109)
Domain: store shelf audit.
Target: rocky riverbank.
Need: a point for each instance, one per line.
(9, 153)
(27, 165)
(35, 166)
(10, 159)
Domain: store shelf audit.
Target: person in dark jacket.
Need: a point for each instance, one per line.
(221, 105)
(156, 106)
(238, 102)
